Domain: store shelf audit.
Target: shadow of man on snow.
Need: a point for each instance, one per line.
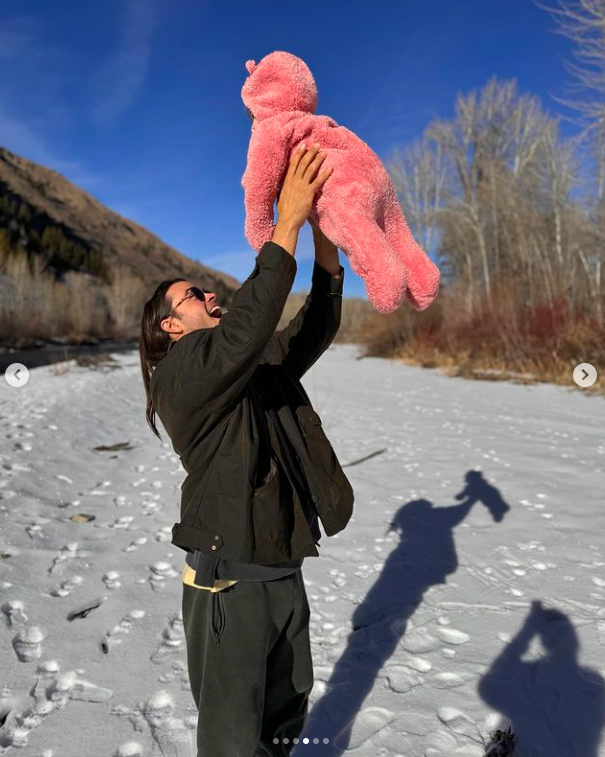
(555, 706)
(424, 556)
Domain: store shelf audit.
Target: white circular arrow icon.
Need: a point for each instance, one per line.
(16, 374)
(585, 374)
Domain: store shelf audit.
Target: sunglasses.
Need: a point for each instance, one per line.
(200, 294)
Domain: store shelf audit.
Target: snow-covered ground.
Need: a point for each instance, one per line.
(495, 493)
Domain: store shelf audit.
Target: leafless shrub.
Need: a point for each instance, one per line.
(96, 361)
(33, 302)
(354, 311)
(125, 301)
(60, 365)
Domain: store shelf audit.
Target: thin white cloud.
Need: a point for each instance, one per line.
(123, 74)
(27, 79)
(17, 38)
(21, 139)
(237, 264)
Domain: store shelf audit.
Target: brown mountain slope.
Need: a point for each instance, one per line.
(56, 202)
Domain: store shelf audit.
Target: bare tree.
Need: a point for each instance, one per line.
(491, 148)
(418, 175)
(494, 189)
(82, 303)
(583, 22)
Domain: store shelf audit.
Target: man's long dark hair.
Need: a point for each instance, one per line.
(154, 341)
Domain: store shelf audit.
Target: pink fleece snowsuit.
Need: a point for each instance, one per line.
(357, 206)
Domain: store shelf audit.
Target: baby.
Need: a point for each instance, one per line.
(357, 206)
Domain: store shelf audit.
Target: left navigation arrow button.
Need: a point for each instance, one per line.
(16, 374)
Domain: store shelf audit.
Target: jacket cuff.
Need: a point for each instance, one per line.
(325, 282)
(205, 570)
(274, 255)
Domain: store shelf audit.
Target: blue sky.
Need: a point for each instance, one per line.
(138, 101)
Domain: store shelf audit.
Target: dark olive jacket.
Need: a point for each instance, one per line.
(217, 390)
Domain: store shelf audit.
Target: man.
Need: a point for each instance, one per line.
(261, 471)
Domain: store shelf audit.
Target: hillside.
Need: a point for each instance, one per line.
(43, 211)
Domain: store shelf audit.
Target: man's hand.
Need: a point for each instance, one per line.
(299, 188)
(326, 253)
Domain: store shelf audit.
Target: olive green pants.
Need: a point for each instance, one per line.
(250, 665)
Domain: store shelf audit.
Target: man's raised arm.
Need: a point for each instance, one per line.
(313, 328)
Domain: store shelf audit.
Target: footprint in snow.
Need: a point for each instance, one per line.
(456, 720)
(163, 534)
(17, 467)
(417, 663)
(418, 641)
(400, 679)
(531, 545)
(172, 640)
(452, 636)
(150, 507)
(117, 634)
(27, 643)
(51, 693)
(101, 489)
(160, 574)
(171, 735)
(135, 544)
(111, 579)
(65, 588)
(369, 722)
(130, 749)
(22, 446)
(448, 680)
(178, 672)
(7, 493)
(340, 577)
(14, 613)
(121, 523)
(67, 553)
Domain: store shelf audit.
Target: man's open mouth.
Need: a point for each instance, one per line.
(215, 312)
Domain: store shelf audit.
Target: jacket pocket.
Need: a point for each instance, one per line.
(310, 422)
(316, 441)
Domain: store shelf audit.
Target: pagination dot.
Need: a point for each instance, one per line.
(295, 740)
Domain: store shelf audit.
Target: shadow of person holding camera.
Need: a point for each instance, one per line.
(555, 706)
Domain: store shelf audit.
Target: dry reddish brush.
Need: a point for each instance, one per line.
(542, 342)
